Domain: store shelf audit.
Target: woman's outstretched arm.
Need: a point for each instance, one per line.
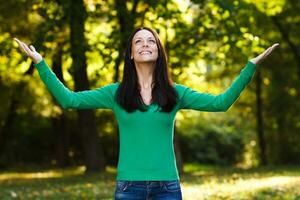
(102, 97)
(191, 99)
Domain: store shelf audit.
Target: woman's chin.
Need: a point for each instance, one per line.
(146, 60)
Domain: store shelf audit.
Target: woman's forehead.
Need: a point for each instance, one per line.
(143, 34)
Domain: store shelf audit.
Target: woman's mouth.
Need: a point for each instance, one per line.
(145, 52)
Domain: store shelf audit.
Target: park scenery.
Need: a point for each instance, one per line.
(251, 150)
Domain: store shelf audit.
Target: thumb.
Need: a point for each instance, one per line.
(32, 48)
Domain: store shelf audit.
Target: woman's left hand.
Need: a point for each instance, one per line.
(257, 60)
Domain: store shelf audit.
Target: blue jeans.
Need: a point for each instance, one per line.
(148, 190)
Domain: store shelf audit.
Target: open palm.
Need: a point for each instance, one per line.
(259, 59)
(30, 51)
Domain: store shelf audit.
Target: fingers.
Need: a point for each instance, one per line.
(275, 45)
(20, 45)
(265, 54)
(269, 50)
(17, 40)
(32, 48)
(27, 49)
(23, 46)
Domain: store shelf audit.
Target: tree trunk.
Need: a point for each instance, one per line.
(94, 156)
(259, 119)
(6, 132)
(126, 20)
(58, 122)
(295, 50)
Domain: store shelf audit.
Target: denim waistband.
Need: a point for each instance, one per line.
(149, 182)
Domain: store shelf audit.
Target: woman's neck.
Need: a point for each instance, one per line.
(145, 74)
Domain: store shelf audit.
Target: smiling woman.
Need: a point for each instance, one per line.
(146, 79)
(144, 45)
(145, 104)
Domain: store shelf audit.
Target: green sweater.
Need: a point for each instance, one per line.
(146, 138)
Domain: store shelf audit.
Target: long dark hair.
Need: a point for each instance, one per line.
(163, 91)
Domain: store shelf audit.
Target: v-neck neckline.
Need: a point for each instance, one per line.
(148, 106)
(151, 107)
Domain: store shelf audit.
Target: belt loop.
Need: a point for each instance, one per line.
(161, 184)
(127, 184)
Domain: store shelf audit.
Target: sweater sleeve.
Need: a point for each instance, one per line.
(191, 99)
(102, 97)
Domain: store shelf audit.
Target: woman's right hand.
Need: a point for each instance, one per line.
(30, 51)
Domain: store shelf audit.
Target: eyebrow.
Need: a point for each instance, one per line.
(141, 37)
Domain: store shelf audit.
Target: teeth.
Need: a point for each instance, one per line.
(145, 52)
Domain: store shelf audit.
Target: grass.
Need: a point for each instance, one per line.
(198, 182)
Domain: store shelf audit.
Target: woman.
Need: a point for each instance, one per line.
(145, 104)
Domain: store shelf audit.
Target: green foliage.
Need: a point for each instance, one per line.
(212, 147)
(205, 143)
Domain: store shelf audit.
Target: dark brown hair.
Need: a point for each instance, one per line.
(163, 92)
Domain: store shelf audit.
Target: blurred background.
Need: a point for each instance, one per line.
(208, 42)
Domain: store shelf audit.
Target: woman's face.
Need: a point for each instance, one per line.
(144, 47)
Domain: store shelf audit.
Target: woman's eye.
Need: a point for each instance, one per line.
(137, 41)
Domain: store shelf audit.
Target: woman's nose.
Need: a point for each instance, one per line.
(145, 43)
